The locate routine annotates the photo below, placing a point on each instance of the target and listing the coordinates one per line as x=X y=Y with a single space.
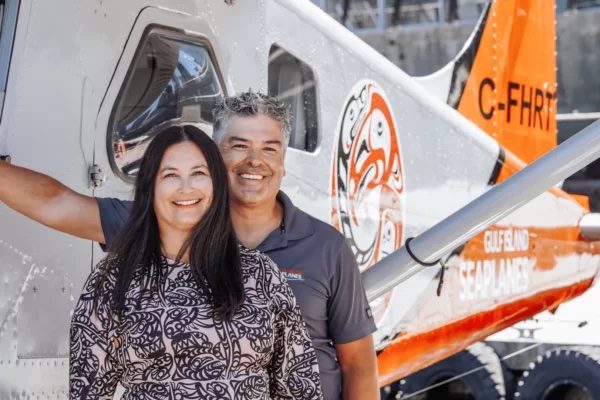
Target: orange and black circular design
x=367 y=182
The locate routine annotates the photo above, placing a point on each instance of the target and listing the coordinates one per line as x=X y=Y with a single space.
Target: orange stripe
x=584 y=201
x=409 y=353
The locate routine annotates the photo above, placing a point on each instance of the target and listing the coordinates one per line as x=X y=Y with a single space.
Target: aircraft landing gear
x=486 y=379
x=562 y=374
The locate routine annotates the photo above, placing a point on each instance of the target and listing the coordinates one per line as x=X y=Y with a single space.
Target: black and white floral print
x=168 y=345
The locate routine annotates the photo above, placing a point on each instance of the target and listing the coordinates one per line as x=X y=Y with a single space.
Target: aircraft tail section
x=504 y=79
x=510 y=91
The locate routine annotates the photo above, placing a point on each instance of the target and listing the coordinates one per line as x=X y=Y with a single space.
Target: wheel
x=565 y=373
x=389 y=392
x=483 y=378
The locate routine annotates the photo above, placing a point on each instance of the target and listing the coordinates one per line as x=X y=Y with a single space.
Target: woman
x=178 y=310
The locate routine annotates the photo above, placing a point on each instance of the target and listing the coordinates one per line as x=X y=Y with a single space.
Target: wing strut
x=452 y=232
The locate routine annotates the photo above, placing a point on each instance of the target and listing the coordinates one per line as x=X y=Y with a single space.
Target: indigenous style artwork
x=367 y=181
x=168 y=343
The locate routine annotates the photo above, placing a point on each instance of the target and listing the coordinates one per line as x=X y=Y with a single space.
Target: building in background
x=421 y=36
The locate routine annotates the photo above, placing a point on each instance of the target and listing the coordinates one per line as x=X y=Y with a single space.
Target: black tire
x=486 y=382
x=566 y=373
x=389 y=392
x=510 y=382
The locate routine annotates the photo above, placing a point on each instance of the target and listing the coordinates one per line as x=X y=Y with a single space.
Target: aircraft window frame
x=165 y=32
x=9 y=15
x=312 y=137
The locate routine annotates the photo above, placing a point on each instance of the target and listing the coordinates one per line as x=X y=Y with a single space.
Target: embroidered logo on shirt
x=292 y=274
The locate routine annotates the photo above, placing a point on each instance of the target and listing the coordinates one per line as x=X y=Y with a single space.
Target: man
x=252 y=131
x=452 y=11
x=396 y=13
x=346 y=12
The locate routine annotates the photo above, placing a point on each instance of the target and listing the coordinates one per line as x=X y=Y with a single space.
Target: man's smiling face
x=253 y=150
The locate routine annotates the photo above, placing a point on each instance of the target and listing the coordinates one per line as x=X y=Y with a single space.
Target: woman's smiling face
x=183 y=188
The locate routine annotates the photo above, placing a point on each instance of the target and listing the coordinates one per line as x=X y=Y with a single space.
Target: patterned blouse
x=167 y=344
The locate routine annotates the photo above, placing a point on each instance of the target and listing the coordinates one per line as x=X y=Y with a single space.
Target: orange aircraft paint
x=511 y=89
x=409 y=353
x=424 y=342
x=510 y=94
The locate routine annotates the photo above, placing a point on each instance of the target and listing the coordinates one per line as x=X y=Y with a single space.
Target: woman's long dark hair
x=213 y=247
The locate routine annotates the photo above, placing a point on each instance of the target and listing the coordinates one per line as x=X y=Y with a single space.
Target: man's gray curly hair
x=248 y=104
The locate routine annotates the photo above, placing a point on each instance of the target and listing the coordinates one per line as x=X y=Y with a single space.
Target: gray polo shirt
x=322 y=272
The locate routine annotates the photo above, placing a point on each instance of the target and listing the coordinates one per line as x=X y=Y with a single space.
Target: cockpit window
x=293 y=82
x=9 y=11
x=172 y=80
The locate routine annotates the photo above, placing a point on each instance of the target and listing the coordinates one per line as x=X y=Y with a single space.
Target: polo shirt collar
x=296 y=225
